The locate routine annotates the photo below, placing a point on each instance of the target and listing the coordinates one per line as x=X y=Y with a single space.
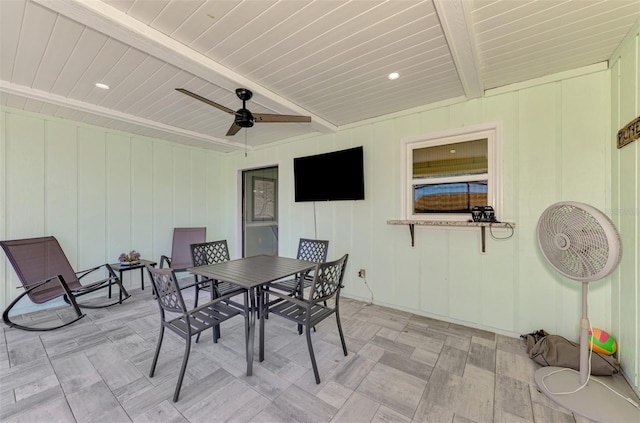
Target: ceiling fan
x=243 y=118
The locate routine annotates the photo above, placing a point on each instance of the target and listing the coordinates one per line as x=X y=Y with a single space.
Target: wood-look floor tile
x=334 y=394
x=516 y=366
x=163 y=412
x=75 y=373
x=296 y=405
x=387 y=415
x=502 y=416
x=482 y=356
x=56 y=410
x=39 y=384
x=34 y=401
x=433 y=414
x=222 y=401
x=400 y=368
x=353 y=371
x=409 y=366
x=25 y=351
x=402 y=396
x=96 y=403
x=546 y=414
x=393 y=346
x=512 y=395
x=452 y=360
x=357 y=409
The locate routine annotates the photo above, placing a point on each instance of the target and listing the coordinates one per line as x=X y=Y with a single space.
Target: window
x=448 y=173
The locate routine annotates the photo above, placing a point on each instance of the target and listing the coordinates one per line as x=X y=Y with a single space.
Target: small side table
x=121 y=268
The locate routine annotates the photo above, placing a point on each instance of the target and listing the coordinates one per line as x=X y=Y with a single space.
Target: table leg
x=261 y=312
x=142 y=278
x=120 y=289
x=252 y=330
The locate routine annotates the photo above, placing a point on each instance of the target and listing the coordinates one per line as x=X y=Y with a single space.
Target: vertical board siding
x=625 y=208
x=98 y=192
x=61 y=185
x=142 y=211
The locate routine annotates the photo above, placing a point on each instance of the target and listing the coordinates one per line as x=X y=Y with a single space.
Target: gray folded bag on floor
x=554 y=350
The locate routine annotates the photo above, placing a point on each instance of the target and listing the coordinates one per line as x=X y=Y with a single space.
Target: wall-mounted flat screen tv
x=338 y=175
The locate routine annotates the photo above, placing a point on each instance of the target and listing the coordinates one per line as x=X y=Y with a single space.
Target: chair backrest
x=313 y=250
x=327 y=279
x=167 y=290
x=181 y=249
x=210 y=252
x=38 y=259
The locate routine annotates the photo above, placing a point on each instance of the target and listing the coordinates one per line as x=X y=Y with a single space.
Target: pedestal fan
x=581 y=243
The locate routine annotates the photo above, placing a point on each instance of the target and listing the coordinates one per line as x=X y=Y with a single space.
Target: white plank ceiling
x=327 y=59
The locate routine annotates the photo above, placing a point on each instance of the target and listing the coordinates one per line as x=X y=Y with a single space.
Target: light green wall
x=556 y=147
x=99 y=192
x=103 y=193
x=625 y=206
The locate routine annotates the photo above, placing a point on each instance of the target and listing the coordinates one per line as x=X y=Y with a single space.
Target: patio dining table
x=252 y=273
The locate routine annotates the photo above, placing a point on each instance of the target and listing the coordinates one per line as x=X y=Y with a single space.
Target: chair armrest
x=91 y=286
x=112 y=275
x=163 y=260
x=198 y=282
x=213 y=302
x=299 y=301
x=82 y=273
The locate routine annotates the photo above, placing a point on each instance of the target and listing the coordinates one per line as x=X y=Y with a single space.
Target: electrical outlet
x=362 y=273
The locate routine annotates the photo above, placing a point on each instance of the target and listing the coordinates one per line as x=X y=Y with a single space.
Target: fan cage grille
x=579 y=241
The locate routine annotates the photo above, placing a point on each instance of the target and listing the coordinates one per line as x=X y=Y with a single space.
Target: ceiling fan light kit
x=582 y=243
x=243 y=118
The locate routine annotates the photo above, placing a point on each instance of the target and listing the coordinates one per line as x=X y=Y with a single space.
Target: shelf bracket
x=412 y=231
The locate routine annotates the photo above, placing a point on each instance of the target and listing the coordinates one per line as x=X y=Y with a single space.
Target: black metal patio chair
x=188 y=322
x=309 y=309
x=211 y=253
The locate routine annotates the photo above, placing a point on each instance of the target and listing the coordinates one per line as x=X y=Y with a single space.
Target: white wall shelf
x=451 y=224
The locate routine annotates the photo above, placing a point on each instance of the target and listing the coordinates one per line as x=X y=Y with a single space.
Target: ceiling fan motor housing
x=244 y=118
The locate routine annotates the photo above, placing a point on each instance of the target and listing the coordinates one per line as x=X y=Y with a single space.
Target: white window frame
x=491 y=131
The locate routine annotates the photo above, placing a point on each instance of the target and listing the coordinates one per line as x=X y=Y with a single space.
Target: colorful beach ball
x=601 y=342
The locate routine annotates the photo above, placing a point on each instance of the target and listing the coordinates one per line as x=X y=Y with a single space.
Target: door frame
x=239 y=250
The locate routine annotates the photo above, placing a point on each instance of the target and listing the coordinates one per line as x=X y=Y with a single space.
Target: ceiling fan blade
x=233 y=129
x=262 y=117
x=205 y=100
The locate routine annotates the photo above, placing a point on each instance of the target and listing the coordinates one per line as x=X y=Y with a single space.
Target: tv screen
x=338 y=175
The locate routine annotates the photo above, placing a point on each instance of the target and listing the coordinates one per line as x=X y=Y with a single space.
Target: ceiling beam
x=122 y=27
x=80 y=106
x=455 y=18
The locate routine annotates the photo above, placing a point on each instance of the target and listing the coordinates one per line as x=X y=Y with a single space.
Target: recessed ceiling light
x=102 y=86
x=394 y=75
x=452 y=151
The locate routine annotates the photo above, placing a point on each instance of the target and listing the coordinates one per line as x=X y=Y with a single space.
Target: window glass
x=449 y=173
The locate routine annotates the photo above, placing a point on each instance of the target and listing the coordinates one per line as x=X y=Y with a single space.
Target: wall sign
x=629 y=133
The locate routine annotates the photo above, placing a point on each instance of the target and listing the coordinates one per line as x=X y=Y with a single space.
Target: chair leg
x=312 y=355
x=155 y=357
x=344 y=346
x=187 y=349
x=216 y=328
x=195 y=304
x=246 y=324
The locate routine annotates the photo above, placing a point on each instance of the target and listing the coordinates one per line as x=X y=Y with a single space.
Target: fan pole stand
x=594 y=401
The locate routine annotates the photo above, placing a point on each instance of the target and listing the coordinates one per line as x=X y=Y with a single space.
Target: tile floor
x=400 y=368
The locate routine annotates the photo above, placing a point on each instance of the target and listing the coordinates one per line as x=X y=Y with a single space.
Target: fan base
x=594 y=401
